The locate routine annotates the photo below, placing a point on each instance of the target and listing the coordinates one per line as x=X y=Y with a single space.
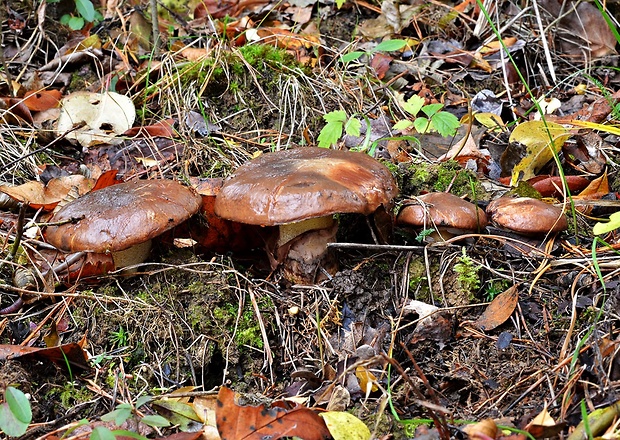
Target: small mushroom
x=299 y=191
x=527 y=216
x=448 y=214
x=122 y=219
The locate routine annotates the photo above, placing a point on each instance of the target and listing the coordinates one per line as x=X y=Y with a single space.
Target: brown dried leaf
x=499 y=310
x=236 y=422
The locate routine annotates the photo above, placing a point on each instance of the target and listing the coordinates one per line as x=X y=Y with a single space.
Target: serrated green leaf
x=18 y=404
x=143 y=400
x=155 y=421
x=330 y=134
x=390 y=45
x=421 y=125
x=402 y=125
x=430 y=109
x=413 y=105
x=445 y=123
x=9 y=424
x=603 y=228
x=351 y=56
x=336 y=116
x=86 y=9
x=102 y=433
x=353 y=127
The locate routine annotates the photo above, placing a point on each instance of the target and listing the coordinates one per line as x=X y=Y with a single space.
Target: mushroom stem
x=303 y=256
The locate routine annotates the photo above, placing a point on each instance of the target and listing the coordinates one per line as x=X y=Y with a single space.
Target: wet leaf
x=235 y=422
x=345 y=426
x=540 y=142
x=499 y=310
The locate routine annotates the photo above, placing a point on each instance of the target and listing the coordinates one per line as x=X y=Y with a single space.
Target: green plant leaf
x=9 y=424
x=421 y=125
x=390 y=45
x=155 y=421
x=143 y=400
x=351 y=56
x=603 y=228
x=413 y=105
x=124 y=433
x=18 y=404
x=339 y=3
x=335 y=116
x=402 y=125
x=353 y=127
x=332 y=131
x=102 y=433
x=119 y=415
x=76 y=23
x=430 y=109
x=86 y=9
x=445 y=123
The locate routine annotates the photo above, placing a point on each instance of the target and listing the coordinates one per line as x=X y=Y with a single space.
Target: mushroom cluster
x=299 y=191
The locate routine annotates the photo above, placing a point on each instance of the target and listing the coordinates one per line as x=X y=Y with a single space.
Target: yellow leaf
x=345 y=426
x=366 y=378
x=541 y=141
x=490 y=120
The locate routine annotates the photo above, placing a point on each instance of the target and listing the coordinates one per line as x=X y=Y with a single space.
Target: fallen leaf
x=541 y=141
x=72 y=354
x=95 y=118
x=42 y=100
x=544 y=426
x=345 y=426
x=38 y=195
x=235 y=422
x=499 y=310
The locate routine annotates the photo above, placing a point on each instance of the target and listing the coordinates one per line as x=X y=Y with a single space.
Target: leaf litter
x=521 y=332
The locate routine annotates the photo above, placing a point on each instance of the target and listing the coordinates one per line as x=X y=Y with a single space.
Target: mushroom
x=122 y=219
x=448 y=214
x=527 y=216
x=299 y=191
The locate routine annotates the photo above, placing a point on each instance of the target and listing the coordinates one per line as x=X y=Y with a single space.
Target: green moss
x=421 y=176
x=468 y=279
x=70 y=395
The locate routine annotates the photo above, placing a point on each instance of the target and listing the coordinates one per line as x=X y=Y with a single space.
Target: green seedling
x=15 y=413
x=85 y=13
x=427 y=118
x=124 y=411
x=384 y=46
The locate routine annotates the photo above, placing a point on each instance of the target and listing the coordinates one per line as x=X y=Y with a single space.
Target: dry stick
x=543 y=40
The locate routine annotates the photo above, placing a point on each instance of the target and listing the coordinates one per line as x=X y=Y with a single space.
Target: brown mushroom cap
x=443 y=210
x=527 y=216
x=289 y=186
x=120 y=216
